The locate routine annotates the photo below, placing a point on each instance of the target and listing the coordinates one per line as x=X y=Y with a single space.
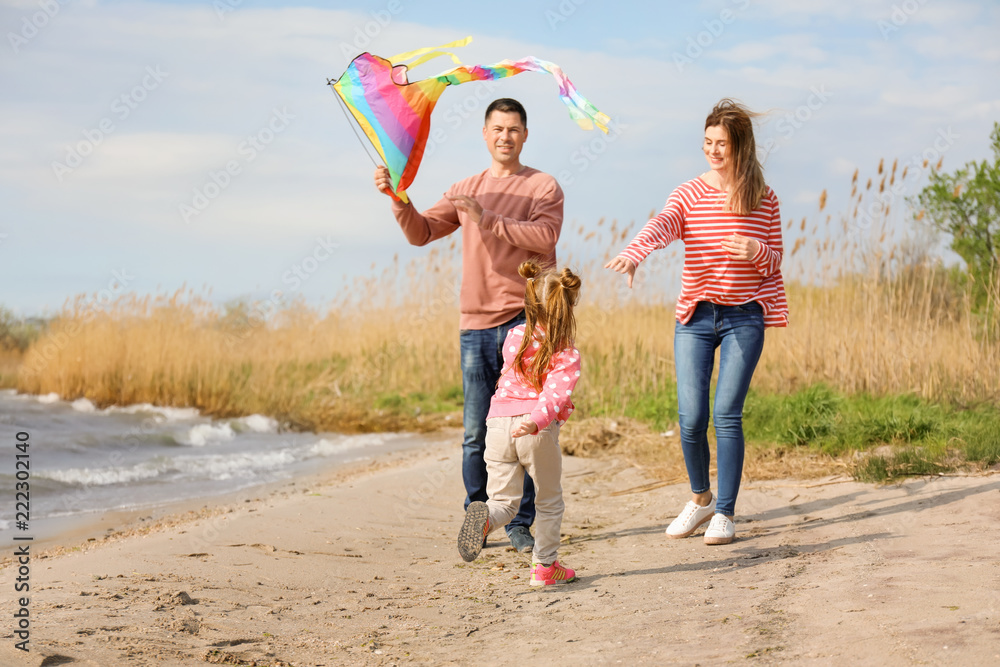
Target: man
x=508 y=214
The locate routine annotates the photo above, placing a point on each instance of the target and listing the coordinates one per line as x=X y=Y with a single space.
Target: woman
x=731 y=289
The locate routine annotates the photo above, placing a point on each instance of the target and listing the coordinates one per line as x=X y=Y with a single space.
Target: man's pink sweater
x=522 y=218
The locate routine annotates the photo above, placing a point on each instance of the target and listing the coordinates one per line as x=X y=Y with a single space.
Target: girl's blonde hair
x=549 y=298
x=748 y=176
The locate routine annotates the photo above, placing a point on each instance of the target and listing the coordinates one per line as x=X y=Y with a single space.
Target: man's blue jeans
x=738 y=332
x=482 y=362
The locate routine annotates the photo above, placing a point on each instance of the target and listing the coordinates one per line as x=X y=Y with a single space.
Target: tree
x=966 y=205
x=15 y=332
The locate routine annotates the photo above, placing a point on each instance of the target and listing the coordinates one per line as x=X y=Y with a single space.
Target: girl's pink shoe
x=553 y=574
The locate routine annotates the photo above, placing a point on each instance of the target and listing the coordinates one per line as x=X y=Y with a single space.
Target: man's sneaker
x=472 y=537
x=692 y=516
x=722 y=530
x=521 y=539
x=552 y=574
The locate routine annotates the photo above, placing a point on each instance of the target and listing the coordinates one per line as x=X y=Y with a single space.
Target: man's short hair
x=507 y=105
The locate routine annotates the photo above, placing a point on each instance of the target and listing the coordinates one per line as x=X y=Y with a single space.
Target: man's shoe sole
x=470 y=537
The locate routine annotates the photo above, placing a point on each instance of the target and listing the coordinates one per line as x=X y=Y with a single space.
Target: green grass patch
x=977 y=432
x=912 y=436
x=807 y=417
x=889 y=437
x=835 y=424
x=905 y=462
x=419 y=403
x=658 y=409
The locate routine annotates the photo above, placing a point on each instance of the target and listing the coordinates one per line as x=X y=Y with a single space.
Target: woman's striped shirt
x=694 y=214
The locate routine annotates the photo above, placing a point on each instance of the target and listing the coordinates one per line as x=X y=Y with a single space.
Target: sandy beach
x=360 y=567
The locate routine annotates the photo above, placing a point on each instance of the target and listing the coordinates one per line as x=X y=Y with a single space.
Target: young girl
x=541 y=368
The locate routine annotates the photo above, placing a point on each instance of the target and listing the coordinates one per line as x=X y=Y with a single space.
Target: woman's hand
x=623 y=265
x=740 y=247
x=527 y=427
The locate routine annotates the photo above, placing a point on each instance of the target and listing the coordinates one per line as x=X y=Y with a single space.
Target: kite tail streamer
x=581 y=110
x=395 y=114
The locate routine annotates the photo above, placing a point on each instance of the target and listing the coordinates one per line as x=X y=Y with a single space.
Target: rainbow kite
x=395 y=114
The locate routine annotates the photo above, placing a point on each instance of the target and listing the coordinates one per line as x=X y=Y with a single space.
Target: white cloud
x=799 y=47
x=794 y=11
x=914 y=95
x=842 y=166
x=963 y=15
x=978 y=43
x=224 y=79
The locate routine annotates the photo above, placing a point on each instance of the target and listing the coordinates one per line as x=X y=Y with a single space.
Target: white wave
x=105 y=476
x=83 y=405
x=202 y=434
x=257 y=424
x=52 y=397
x=325 y=447
x=177 y=414
x=166 y=413
x=243 y=465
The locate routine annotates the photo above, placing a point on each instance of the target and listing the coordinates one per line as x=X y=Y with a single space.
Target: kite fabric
x=395 y=114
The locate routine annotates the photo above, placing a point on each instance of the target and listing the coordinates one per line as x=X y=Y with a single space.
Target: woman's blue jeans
x=482 y=363
x=738 y=332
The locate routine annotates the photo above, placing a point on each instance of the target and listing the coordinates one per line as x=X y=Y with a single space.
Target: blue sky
x=117 y=114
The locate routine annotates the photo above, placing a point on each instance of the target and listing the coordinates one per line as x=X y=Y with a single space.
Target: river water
x=84 y=462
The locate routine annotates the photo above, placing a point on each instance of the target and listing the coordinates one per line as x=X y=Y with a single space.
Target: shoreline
x=361 y=567
x=83 y=492
x=101 y=527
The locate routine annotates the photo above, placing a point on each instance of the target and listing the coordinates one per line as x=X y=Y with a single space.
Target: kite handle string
x=351 y=123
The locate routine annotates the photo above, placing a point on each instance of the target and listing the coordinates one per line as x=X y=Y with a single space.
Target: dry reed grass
x=870 y=312
x=10 y=364
x=310 y=370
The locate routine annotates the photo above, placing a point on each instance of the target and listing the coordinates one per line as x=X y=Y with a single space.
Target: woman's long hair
x=748 y=186
x=549 y=298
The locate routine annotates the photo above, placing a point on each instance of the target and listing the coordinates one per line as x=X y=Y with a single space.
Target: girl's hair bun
x=529 y=270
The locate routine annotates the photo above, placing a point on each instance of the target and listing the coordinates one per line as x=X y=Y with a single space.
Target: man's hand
x=623 y=265
x=527 y=427
x=382 y=181
x=469 y=206
x=740 y=247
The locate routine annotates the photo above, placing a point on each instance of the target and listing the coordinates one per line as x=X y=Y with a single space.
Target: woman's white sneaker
x=722 y=530
x=692 y=516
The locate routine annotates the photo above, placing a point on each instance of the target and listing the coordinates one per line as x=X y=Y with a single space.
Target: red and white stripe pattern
x=694 y=214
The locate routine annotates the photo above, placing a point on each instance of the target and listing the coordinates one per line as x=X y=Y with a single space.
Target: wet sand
x=360 y=567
